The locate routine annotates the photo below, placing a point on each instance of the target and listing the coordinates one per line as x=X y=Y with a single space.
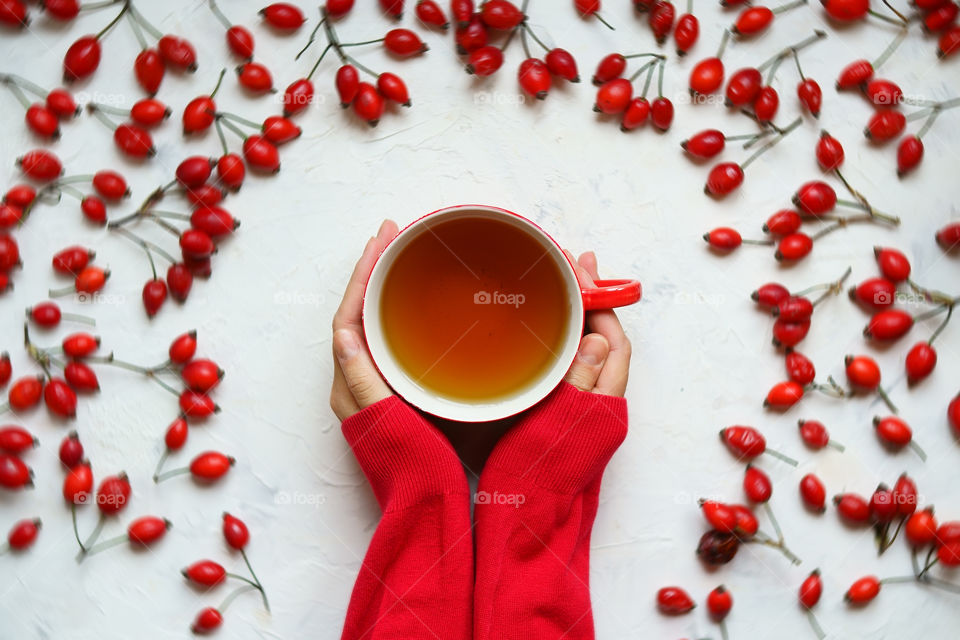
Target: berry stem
x=645 y=67
x=834 y=288
x=796 y=59
x=23 y=83
x=781 y=456
x=233 y=596
x=266 y=604
x=723 y=630
x=149 y=28
x=316 y=64
x=231 y=127
x=929 y=122
x=94 y=535
x=917 y=449
x=160 y=463
x=242 y=579
x=893 y=408
x=76 y=532
x=723 y=42
x=219 y=15
x=902 y=17
x=533 y=35
x=788 y=6
x=17 y=93
x=773 y=521
x=169 y=474
x=815 y=625
x=663 y=63
x=223 y=138
x=137 y=31
x=360 y=44
x=523 y=40
x=786 y=51
x=126 y=6
x=239 y=119
x=883 y=57
x=943 y=325
x=146 y=244
x=604 y=22
x=98 y=112
x=764 y=539
x=880 y=16
x=216 y=87
x=313 y=36
x=756 y=154
x=106 y=544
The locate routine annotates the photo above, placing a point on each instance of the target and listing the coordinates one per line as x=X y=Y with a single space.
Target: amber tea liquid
x=474 y=309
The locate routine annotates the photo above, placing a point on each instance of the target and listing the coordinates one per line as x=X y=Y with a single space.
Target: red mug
x=605 y=294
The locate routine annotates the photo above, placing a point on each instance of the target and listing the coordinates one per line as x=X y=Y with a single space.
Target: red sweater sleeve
x=536 y=502
x=416 y=580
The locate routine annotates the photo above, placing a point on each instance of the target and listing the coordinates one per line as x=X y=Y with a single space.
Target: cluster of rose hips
x=674 y=601
x=660 y=18
x=368 y=100
x=42 y=118
x=208 y=574
x=615 y=96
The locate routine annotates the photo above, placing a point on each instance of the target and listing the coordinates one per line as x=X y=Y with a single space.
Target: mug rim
x=464 y=411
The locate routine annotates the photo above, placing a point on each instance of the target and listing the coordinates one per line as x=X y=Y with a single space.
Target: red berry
x=14 y=13
x=80 y=345
x=81 y=377
x=862 y=372
x=747 y=523
x=368 y=104
x=210 y=465
x=205 y=572
x=814 y=434
x=297 y=96
x=888 y=325
x=613 y=96
x=429 y=12
x=745 y=442
x=949 y=43
x=43 y=121
x=91 y=279
x=752 y=21
x=811 y=589
x=40 y=165
x=940 y=18
x=905 y=495
x=724 y=178
x=462 y=11
x=348 y=84
x=810 y=95
x=948 y=533
x=392 y=88
x=789 y=334
x=661 y=113
x=94 y=209
x=686 y=33
x=783 y=222
x=885 y=124
x=949 y=554
x=10 y=215
x=283 y=15
x=207 y=620
x=255 y=77
x=794 y=247
x=194 y=171
x=71 y=451
x=6 y=370
x=149 y=70
x=674 y=601
x=863 y=591
x=794 y=309
x=723 y=238
x=24 y=533
x=719 y=603
x=852 y=508
x=846 y=10
x=81 y=59
x=9 y=253
x=500 y=14
x=921 y=528
x=261 y=154
x=25 y=393
x=706 y=76
x=799 y=367
x=815 y=198
x=875 y=293
x=14 y=474
x=766 y=104
x=199 y=114
x=855 y=74
x=471 y=36
x=783 y=395
x=176 y=434
x=883 y=508
x=921 y=360
x=154 y=295
x=705 y=144
x=893 y=431
x=235 y=531
x=660 y=20
x=206 y=195
x=197 y=405
x=757 y=485
x=403 y=42
x=177 y=52
x=113 y=494
x=829 y=152
x=770 y=294
x=183 y=347
x=110 y=185
x=485 y=61
x=15 y=440
x=201 y=375
x=909 y=154
x=393 y=8
x=78 y=484
x=743 y=87
x=214 y=221
x=240 y=41
x=134 y=141
x=147 y=530
x=561 y=63
x=953 y=415
x=20 y=195
x=231 y=170
x=611 y=66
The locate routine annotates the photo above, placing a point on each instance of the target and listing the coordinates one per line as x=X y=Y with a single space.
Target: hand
x=603 y=359
x=356 y=382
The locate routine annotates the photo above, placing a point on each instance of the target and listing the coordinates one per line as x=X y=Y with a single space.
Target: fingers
x=341 y=400
x=587 y=366
x=351 y=307
x=613 y=378
x=361 y=376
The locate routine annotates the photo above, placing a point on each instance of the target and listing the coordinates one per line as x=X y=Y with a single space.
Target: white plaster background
x=702 y=354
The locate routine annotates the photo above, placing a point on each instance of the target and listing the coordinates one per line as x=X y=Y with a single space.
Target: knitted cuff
x=565 y=441
x=404 y=457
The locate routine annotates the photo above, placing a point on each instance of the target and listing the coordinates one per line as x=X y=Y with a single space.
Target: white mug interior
x=470 y=411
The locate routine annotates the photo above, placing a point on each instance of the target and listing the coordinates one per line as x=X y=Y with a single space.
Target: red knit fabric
x=536 y=503
x=416 y=580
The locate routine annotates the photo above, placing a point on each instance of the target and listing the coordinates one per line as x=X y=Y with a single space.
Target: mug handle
x=608 y=294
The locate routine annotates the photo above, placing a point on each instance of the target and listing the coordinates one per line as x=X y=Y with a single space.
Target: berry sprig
x=756 y=20
x=239 y=39
x=591 y=9
x=42 y=118
x=726 y=177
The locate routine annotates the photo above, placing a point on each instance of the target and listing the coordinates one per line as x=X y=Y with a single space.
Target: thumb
x=361 y=375
x=586 y=367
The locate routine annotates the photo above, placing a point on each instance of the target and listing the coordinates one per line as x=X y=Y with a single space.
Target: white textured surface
x=702 y=357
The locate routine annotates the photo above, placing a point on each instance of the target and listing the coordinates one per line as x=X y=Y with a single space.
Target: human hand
x=602 y=364
x=356 y=382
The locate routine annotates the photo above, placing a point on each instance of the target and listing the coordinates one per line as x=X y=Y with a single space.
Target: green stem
x=219 y=14
x=145 y=24
x=239 y=119
x=169 y=474
x=360 y=44
x=232 y=128
x=18 y=94
x=160 y=463
x=216 y=87
x=773 y=521
x=102 y=32
x=106 y=544
x=890 y=49
x=223 y=138
x=313 y=36
x=137 y=32
x=533 y=35
x=319 y=60
x=266 y=604
x=95 y=110
x=783 y=53
x=723 y=42
x=765 y=147
x=893 y=408
x=943 y=325
x=788 y=6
